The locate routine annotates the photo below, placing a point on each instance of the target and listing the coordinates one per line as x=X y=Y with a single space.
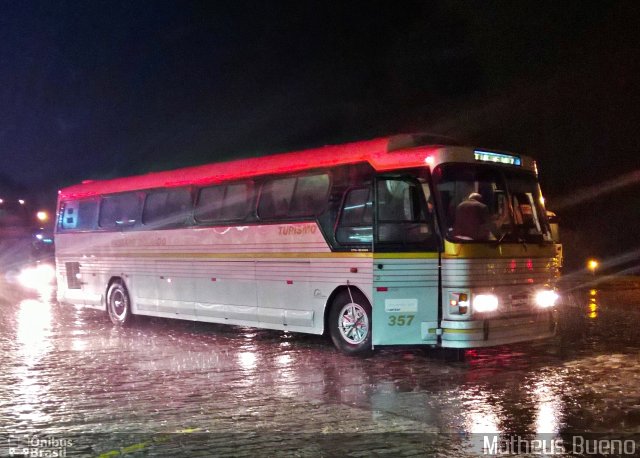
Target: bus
x=400 y=240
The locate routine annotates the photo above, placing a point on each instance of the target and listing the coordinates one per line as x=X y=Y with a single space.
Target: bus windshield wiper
x=517 y=231
x=523 y=241
x=501 y=238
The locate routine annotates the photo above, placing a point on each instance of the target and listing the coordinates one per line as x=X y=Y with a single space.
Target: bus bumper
x=497 y=331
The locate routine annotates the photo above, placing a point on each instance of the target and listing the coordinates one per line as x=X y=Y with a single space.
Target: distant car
x=25 y=235
x=42 y=238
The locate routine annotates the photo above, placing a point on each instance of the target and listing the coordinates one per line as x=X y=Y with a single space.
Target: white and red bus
x=375 y=242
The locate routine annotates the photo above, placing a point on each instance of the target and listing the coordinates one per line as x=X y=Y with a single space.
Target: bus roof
x=384 y=153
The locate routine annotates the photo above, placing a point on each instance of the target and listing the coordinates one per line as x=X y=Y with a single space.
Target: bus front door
x=405 y=265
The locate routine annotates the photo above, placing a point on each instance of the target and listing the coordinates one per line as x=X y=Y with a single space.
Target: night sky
x=99 y=89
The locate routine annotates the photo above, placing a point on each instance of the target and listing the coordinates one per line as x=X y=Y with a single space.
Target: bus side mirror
x=553 y=220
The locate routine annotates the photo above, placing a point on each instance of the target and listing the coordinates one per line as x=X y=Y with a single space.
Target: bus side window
x=402 y=217
x=219 y=203
x=78 y=214
x=310 y=195
x=167 y=208
x=356 y=218
x=275 y=198
x=237 y=201
x=209 y=207
x=292 y=197
x=121 y=210
x=69 y=218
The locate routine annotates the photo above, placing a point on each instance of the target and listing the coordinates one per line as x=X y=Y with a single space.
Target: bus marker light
x=353 y=270
x=213 y=279
x=289 y=282
x=458 y=303
x=382 y=289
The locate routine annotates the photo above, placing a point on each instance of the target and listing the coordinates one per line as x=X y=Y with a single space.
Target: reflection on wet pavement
x=66 y=370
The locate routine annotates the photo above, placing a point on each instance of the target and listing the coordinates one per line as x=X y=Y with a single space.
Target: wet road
x=72 y=383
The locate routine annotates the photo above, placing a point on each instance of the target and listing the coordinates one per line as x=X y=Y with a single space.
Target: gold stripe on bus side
x=426 y=255
x=495 y=250
x=461 y=331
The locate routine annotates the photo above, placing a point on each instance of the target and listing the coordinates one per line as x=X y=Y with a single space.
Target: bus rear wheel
x=118 y=304
x=350 y=323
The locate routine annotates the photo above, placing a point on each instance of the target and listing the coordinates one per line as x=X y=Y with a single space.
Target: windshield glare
x=480 y=203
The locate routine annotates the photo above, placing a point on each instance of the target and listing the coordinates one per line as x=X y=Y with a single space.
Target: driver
x=473 y=219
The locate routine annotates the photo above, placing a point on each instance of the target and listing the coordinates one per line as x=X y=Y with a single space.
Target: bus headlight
x=485 y=303
x=546 y=298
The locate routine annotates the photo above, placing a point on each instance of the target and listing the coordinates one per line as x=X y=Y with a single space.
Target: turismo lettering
x=297 y=230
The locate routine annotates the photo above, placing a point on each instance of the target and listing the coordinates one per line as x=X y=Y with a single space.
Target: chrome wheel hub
x=118 y=304
x=353 y=323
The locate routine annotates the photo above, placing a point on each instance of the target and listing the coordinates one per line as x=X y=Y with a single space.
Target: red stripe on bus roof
x=372 y=151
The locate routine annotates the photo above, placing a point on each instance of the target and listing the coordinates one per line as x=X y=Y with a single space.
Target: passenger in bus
x=473 y=219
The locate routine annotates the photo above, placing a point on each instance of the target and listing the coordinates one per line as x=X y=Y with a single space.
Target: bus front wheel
x=350 y=323
x=118 y=304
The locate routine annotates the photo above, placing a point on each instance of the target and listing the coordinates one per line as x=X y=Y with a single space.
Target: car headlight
x=37 y=277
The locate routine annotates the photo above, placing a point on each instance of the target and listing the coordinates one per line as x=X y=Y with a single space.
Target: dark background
x=100 y=89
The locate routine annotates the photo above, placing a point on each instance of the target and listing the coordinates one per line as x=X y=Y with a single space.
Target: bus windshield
x=481 y=203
